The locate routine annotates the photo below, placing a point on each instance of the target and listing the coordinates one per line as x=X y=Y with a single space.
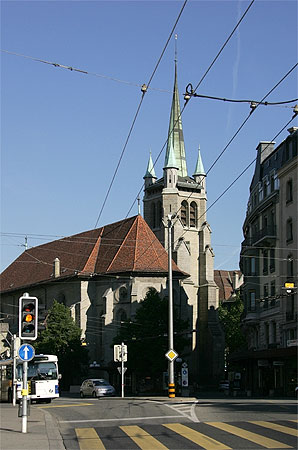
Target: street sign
x=26 y=352
x=120 y=369
x=184 y=377
x=171 y=355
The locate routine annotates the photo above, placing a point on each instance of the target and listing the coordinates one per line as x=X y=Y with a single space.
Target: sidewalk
x=42 y=431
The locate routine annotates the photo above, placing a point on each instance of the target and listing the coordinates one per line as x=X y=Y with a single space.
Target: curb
x=53 y=433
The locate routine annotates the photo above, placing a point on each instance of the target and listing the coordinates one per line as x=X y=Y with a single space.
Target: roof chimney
x=56 y=267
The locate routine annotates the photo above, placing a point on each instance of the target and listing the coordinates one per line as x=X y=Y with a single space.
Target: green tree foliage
x=62 y=337
x=147 y=336
x=230 y=317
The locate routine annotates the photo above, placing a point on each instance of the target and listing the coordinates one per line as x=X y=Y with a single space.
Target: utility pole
x=171 y=354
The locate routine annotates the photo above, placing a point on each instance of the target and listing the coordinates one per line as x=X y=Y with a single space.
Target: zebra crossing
x=202 y=435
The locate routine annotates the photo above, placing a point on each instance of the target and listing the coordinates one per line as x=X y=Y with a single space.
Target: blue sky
x=63 y=131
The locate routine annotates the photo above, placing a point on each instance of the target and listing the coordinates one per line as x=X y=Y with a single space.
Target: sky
x=63 y=131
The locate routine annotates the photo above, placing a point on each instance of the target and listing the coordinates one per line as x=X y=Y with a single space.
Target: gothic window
x=193 y=215
x=184 y=213
x=121 y=316
x=123 y=295
x=159 y=214
x=289 y=191
x=289 y=229
x=153 y=215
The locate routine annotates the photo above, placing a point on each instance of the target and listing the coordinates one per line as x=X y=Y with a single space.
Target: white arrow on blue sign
x=26 y=352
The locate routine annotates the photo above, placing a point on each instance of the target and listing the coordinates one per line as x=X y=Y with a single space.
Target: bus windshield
x=39 y=371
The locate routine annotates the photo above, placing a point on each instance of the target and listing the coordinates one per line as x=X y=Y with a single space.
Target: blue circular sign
x=26 y=352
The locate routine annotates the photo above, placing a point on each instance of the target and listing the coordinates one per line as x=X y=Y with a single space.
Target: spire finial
x=176 y=37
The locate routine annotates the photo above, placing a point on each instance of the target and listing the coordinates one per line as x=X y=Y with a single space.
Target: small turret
x=150 y=176
x=200 y=174
x=170 y=169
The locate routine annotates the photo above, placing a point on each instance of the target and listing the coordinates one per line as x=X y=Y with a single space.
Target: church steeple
x=150 y=176
x=175 y=134
x=200 y=174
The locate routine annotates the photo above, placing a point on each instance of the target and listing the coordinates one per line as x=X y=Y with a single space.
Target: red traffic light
x=28 y=315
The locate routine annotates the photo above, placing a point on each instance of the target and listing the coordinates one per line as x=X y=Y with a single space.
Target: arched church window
x=184 y=213
x=193 y=215
x=123 y=294
x=159 y=214
x=153 y=215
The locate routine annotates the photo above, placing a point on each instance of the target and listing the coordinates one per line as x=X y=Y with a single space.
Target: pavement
x=42 y=430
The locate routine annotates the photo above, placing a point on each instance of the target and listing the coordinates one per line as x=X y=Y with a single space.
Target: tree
x=62 y=337
x=230 y=317
x=147 y=336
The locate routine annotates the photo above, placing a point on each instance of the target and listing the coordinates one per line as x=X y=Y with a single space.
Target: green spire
x=199 y=167
x=175 y=134
x=150 y=173
x=171 y=161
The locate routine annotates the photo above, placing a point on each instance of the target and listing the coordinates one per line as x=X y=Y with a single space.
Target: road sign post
x=26 y=353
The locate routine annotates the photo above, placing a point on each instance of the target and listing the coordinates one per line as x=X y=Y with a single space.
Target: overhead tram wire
x=244 y=122
x=144 y=90
x=200 y=82
x=230 y=185
x=138 y=85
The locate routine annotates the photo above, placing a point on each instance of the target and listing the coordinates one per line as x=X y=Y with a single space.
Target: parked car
x=96 y=387
x=224 y=385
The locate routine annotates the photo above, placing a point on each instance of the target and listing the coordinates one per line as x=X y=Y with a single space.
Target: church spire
x=175 y=134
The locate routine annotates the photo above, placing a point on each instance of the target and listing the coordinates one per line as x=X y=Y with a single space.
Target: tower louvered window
x=184 y=213
x=193 y=215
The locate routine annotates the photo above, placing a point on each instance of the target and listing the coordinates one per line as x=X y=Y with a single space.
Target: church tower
x=179 y=194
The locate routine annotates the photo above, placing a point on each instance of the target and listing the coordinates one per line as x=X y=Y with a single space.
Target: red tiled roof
x=125 y=246
x=224 y=280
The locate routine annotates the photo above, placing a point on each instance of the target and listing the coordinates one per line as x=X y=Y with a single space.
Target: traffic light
x=28 y=318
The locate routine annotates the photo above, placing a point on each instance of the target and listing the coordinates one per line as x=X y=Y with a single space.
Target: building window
x=253 y=265
x=159 y=214
x=252 y=300
x=193 y=215
x=289 y=230
x=266 y=294
x=289 y=191
x=290 y=266
x=123 y=294
x=265 y=261
x=267 y=333
x=153 y=215
x=273 y=337
x=272 y=260
x=272 y=293
x=184 y=213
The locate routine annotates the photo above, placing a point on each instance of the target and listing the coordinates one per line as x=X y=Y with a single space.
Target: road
x=211 y=424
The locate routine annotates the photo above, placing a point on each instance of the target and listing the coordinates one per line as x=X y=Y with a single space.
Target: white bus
x=43 y=378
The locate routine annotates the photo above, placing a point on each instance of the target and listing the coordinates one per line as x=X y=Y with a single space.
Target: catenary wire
x=137 y=112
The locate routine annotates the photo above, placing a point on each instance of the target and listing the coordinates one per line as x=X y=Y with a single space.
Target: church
x=103 y=274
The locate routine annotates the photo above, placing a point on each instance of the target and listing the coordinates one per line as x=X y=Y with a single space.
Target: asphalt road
x=212 y=424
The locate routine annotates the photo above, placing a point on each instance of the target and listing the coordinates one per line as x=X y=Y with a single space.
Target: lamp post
x=171 y=354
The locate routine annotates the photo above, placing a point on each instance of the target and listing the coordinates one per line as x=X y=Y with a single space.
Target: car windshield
x=101 y=383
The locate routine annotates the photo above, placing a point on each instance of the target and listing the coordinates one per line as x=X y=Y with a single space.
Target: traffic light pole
x=171 y=325
x=25 y=397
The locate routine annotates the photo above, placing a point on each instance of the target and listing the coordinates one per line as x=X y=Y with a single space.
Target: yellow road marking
x=143 y=439
x=198 y=438
x=255 y=438
x=88 y=439
x=65 y=406
x=275 y=426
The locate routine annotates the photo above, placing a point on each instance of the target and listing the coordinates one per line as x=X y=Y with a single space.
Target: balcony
x=265 y=236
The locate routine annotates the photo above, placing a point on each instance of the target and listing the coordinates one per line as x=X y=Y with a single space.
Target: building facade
x=183 y=199
x=268 y=260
